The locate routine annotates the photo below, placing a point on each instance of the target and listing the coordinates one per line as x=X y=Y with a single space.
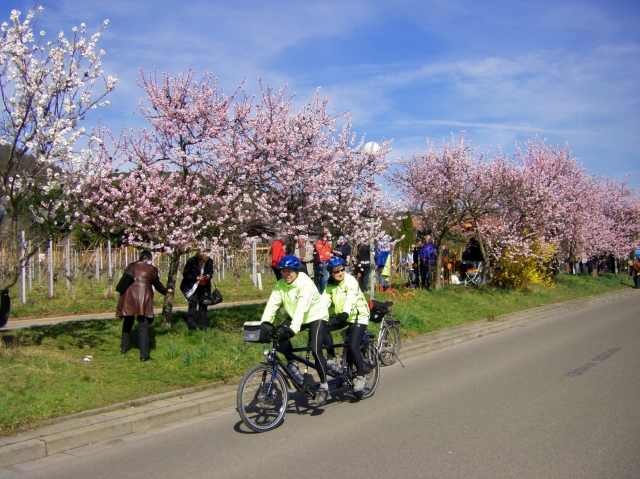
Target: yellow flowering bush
x=518 y=271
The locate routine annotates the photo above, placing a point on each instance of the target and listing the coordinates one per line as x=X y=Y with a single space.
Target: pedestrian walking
x=137 y=300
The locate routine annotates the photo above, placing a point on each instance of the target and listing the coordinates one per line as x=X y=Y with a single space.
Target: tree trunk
x=167 y=307
x=438 y=268
x=487 y=273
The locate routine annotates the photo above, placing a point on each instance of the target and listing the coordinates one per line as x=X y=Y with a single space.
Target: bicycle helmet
x=335 y=261
x=289 y=261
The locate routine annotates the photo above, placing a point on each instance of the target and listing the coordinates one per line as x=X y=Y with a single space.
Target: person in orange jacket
x=278 y=251
x=322 y=253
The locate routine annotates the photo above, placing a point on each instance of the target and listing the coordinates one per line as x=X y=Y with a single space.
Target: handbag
x=125 y=281
x=213 y=298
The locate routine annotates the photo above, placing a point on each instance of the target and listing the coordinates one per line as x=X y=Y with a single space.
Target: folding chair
x=473 y=275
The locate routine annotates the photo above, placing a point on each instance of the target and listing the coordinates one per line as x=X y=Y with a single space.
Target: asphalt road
x=555 y=399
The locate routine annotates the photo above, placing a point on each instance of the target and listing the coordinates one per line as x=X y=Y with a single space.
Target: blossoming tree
x=46 y=89
x=434 y=185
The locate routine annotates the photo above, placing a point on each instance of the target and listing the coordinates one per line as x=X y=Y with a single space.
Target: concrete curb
x=109 y=423
x=72 y=433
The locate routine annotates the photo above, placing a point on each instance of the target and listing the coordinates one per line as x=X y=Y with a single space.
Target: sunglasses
x=338 y=271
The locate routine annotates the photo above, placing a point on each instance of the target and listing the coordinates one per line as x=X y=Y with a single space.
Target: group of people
x=308 y=308
x=420 y=262
x=137 y=299
x=314 y=256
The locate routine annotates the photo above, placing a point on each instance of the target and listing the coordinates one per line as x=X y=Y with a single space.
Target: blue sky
x=503 y=71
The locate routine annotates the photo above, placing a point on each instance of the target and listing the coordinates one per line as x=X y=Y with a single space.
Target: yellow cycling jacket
x=300 y=300
x=347 y=297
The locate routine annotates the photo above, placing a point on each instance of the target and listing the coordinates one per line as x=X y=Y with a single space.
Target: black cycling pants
x=316 y=336
x=356 y=331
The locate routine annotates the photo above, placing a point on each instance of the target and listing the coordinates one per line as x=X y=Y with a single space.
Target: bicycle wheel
x=259 y=410
x=389 y=346
x=372 y=367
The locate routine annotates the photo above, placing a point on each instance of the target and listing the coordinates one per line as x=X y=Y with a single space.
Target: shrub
x=519 y=271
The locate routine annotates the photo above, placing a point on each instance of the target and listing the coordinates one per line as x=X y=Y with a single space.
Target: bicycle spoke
x=262 y=409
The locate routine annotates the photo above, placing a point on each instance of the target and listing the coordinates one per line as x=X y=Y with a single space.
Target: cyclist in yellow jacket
x=347 y=302
x=298 y=295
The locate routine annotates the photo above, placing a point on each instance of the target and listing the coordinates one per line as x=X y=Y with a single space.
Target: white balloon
x=371 y=148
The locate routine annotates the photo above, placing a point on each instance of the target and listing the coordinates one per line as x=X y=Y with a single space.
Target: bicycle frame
x=277 y=362
x=385 y=324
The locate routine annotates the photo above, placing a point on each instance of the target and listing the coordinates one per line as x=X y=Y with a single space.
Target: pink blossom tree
x=434 y=185
x=181 y=191
x=212 y=165
x=310 y=172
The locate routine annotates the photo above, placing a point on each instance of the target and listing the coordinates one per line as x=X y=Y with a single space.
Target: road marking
x=593 y=362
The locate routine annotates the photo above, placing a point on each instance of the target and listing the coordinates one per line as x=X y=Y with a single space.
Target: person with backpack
x=278 y=251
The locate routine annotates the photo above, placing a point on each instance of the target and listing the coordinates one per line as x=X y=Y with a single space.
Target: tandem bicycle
x=263 y=392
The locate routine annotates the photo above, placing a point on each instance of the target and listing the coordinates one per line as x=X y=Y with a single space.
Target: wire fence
x=66 y=266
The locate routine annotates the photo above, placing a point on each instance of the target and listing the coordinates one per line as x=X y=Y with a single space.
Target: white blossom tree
x=46 y=90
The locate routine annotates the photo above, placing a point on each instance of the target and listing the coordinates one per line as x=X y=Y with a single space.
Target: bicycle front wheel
x=260 y=409
x=372 y=367
x=389 y=345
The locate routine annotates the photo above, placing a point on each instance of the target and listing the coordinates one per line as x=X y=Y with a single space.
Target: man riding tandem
x=299 y=296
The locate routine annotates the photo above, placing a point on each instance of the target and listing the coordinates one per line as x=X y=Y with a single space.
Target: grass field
x=44 y=375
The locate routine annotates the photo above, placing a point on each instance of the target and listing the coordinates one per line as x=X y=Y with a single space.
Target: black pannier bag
x=258 y=332
x=378 y=310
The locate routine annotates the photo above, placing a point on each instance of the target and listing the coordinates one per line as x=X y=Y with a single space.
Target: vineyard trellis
x=64 y=265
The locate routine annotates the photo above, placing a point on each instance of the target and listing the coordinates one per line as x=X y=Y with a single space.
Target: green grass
x=454 y=305
x=44 y=375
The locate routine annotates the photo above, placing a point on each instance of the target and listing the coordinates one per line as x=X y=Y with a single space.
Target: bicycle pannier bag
x=258 y=332
x=378 y=310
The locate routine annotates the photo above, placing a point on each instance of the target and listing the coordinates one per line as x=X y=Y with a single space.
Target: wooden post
x=67 y=264
x=51 y=268
x=29 y=270
x=23 y=282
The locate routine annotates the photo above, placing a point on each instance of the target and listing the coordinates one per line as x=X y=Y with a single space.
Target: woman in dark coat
x=137 y=300
x=196 y=285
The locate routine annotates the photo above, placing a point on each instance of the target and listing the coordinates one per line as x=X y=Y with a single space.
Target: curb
x=86 y=428
x=69 y=434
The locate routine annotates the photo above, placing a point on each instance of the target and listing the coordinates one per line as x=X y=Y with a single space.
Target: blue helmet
x=290 y=261
x=335 y=261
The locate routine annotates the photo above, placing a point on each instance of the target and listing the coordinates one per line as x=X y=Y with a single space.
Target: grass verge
x=44 y=375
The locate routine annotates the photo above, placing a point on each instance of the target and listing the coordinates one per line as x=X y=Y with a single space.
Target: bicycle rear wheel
x=389 y=346
x=260 y=410
x=372 y=367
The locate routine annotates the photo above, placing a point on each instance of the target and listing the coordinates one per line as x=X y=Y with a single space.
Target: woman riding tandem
x=347 y=302
x=299 y=296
